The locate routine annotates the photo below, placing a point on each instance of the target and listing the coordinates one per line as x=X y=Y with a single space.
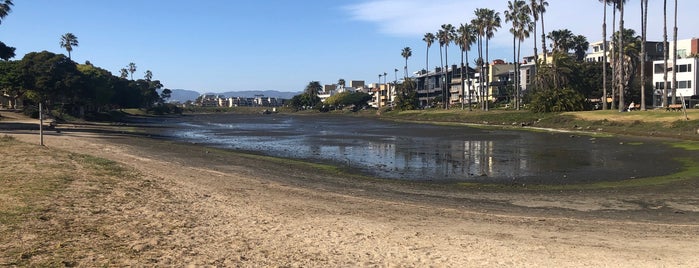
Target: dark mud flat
x=424 y=152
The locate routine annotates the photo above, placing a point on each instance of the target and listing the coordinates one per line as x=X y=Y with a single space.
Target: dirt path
x=200 y=207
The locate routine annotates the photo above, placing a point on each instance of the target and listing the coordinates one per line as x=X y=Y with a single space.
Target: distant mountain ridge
x=183 y=95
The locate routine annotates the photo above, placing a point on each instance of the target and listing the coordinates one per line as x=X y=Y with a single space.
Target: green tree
x=562 y=40
x=556 y=92
x=148 y=75
x=406 y=53
x=123 y=73
x=68 y=41
x=313 y=88
x=356 y=100
x=48 y=77
x=604 y=55
x=6 y=52
x=488 y=22
x=407 y=99
x=11 y=82
x=132 y=69
x=580 y=45
x=5 y=8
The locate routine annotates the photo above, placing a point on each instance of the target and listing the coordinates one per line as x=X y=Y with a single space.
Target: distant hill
x=183 y=95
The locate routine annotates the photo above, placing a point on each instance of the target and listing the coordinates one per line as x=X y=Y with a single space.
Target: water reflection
x=423 y=152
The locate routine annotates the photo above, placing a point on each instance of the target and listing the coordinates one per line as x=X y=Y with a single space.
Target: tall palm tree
x=406 y=53
x=542 y=9
x=622 y=84
x=5 y=9
x=479 y=27
x=562 y=40
x=429 y=40
x=644 y=28
x=604 y=55
x=465 y=37
x=68 y=41
x=132 y=69
x=518 y=13
x=674 y=59
x=534 y=8
x=447 y=35
x=491 y=22
x=665 y=55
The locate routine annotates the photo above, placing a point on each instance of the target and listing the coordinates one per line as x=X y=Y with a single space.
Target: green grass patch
x=687 y=145
x=690 y=172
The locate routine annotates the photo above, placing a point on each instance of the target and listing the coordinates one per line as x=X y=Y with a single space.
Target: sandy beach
x=193 y=206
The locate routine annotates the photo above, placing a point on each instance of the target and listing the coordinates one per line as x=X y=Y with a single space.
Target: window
x=659 y=68
x=659 y=85
x=684 y=68
x=684 y=84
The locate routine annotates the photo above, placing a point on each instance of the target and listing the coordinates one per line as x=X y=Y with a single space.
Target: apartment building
x=685 y=69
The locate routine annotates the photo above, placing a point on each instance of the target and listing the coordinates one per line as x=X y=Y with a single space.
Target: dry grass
x=651 y=116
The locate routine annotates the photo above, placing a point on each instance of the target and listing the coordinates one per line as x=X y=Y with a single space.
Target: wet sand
x=228 y=209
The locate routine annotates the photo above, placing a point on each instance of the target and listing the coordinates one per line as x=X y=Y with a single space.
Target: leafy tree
x=357 y=100
x=304 y=101
x=165 y=94
x=6 y=52
x=11 y=81
x=5 y=8
x=48 y=77
x=407 y=99
x=557 y=90
x=132 y=69
x=148 y=76
x=68 y=41
x=123 y=73
x=96 y=88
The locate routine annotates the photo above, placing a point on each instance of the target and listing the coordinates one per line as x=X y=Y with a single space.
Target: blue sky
x=221 y=45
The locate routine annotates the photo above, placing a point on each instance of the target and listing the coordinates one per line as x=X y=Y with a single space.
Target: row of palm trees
x=524 y=17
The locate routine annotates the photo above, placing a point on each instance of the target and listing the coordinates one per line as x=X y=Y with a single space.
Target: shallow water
x=432 y=153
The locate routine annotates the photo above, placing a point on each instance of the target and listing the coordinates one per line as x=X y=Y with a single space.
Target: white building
x=686 y=72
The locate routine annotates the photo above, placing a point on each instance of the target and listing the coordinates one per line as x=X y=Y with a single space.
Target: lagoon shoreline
x=230 y=209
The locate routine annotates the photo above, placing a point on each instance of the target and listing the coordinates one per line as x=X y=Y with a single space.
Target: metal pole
x=41 y=125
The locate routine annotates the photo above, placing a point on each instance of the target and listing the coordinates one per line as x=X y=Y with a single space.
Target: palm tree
x=465 y=37
x=406 y=53
x=5 y=9
x=341 y=83
x=604 y=56
x=518 y=13
x=429 y=40
x=674 y=59
x=665 y=55
x=622 y=85
x=445 y=36
x=534 y=8
x=487 y=22
x=562 y=40
x=132 y=69
x=480 y=28
x=580 y=45
x=644 y=28
x=542 y=9
x=68 y=41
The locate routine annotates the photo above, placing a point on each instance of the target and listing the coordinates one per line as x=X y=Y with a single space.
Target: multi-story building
x=685 y=70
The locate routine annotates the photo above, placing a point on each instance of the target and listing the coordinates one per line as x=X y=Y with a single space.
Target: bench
x=674 y=107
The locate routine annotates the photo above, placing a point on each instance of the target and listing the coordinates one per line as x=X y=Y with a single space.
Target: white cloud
x=414 y=18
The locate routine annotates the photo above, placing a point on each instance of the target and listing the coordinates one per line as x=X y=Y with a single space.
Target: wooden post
x=41 y=125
